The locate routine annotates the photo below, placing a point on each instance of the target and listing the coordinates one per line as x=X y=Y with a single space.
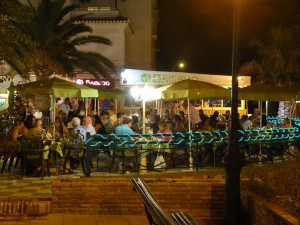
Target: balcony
x=96 y=12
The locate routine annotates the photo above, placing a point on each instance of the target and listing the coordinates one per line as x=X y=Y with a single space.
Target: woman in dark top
x=135 y=125
x=29 y=120
x=99 y=126
x=154 y=126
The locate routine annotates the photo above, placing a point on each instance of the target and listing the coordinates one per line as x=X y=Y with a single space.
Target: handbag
x=160 y=162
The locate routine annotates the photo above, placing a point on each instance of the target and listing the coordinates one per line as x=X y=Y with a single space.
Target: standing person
x=65 y=106
x=173 y=111
x=88 y=126
x=194 y=115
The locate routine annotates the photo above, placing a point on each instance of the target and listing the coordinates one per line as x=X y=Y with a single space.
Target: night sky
x=199 y=32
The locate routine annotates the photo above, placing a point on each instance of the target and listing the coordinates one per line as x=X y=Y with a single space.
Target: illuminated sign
x=104 y=83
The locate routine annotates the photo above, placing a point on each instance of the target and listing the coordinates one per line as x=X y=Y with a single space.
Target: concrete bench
x=156 y=214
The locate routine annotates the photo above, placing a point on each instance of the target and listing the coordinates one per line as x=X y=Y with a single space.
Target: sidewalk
x=77 y=219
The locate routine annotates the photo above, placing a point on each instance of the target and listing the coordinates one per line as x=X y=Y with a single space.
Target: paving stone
x=71 y=219
x=112 y=220
x=52 y=219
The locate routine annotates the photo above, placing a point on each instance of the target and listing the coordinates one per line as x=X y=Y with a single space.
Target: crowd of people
x=70 y=121
x=172 y=120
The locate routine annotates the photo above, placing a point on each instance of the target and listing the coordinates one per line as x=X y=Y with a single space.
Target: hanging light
x=135 y=92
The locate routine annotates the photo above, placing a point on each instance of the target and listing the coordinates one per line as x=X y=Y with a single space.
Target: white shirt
x=89 y=128
x=65 y=108
x=194 y=115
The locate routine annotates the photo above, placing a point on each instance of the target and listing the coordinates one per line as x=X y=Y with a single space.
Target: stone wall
x=283 y=177
x=258 y=211
x=115 y=195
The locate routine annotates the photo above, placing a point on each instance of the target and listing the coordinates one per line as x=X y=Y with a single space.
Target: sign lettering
x=104 y=83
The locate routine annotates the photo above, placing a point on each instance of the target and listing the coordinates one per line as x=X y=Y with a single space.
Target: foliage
x=279 y=58
x=7 y=122
x=11 y=39
x=259 y=184
x=57 y=40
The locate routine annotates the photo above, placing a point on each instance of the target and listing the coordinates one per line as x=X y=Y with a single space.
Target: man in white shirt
x=65 y=106
x=88 y=126
x=194 y=115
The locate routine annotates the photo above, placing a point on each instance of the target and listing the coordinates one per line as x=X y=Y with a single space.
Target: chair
x=35 y=152
x=128 y=158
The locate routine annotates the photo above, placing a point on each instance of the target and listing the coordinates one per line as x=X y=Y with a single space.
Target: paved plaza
x=76 y=219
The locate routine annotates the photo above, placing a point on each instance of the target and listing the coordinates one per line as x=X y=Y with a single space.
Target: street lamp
x=144 y=94
x=232 y=160
x=180 y=65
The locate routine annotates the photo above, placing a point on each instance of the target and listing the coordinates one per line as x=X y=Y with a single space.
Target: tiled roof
x=118 y=19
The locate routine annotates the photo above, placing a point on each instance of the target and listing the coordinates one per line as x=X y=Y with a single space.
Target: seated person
x=39 y=134
x=135 y=125
x=88 y=126
x=246 y=123
x=77 y=139
x=178 y=127
x=18 y=131
x=163 y=129
x=60 y=127
x=81 y=137
x=154 y=126
x=125 y=128
x=286 y=123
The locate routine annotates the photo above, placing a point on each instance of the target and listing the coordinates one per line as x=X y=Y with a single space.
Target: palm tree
x=10 y=38
x=57 y=39
x=279 y=61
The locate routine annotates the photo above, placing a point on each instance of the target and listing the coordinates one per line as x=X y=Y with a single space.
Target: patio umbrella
x=194 y=89
x=58 y=87
x=111 y=93
x=268 y=92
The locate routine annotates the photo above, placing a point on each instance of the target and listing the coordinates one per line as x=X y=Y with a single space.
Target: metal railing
x=193 y=147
